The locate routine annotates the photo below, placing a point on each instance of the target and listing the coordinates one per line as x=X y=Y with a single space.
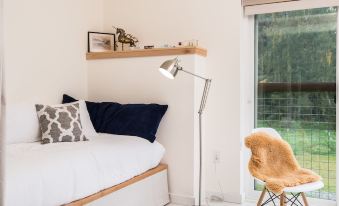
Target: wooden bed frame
x=106 y=192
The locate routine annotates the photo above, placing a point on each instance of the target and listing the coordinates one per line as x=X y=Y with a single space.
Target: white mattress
x=55 y=174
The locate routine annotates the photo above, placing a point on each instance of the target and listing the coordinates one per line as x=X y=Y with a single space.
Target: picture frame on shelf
x=101 y=42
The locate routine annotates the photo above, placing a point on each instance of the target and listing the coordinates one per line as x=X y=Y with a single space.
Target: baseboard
x=227 y=197
x=182 y=199
x=189 y=200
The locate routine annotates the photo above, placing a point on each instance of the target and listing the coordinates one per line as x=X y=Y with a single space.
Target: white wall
x=2 y=141
x=45 y=46
x=137 y=80
x=216 y=24
x=45 y=42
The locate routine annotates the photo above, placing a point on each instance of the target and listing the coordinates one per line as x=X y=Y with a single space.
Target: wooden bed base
x=108 y=191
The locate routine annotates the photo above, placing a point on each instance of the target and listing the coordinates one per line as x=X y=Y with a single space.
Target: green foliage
x=300 y=47
x=297 y=46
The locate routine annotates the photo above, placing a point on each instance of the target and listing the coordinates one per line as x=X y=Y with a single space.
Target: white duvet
x=56 y=174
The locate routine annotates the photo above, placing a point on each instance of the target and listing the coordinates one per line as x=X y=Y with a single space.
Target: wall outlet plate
x=216 y=157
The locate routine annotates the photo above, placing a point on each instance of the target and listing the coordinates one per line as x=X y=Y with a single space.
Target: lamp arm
x=204 y=95
x=206 y=88
x=181 y=69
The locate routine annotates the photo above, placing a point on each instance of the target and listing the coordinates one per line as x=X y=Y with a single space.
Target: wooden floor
x=220 y=204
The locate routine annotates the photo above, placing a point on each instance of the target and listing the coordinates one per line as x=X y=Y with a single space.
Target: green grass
x=323 y=165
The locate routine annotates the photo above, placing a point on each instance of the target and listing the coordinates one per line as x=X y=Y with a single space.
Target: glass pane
x=296 y=86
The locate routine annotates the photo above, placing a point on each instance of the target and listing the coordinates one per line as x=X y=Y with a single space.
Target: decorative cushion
x=60 y=123
x=140 y=120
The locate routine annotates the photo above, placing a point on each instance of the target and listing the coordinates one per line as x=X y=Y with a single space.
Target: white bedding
x=55 y=174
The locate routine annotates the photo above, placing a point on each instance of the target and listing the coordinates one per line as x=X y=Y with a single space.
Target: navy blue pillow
x=140 y=120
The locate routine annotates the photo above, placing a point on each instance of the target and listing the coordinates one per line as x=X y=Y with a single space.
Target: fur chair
x=273 y=162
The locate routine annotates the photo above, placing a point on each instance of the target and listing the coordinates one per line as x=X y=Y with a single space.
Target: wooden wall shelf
x=147 y=53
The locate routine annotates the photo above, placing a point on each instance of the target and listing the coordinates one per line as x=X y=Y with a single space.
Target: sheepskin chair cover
x=273 y=162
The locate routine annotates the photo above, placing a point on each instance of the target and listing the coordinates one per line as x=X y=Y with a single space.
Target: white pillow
x=86 y=122
x=22 y=124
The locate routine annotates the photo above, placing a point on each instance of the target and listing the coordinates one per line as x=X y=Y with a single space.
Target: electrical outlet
x=216 y=157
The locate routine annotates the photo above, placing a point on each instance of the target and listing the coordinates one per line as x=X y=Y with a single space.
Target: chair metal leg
x=304 y=199
x=261 y=197
x=282 y=199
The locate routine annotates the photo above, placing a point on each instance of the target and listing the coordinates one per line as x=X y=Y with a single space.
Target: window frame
x=260 y=2
x=248 y=108
x=288 y=6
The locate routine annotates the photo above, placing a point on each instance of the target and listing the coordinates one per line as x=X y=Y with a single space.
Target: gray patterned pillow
x=60 y=123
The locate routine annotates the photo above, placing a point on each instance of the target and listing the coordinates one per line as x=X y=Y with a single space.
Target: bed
x=80 y=173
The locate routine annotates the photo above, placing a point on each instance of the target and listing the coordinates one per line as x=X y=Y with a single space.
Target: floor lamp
x=170 y=68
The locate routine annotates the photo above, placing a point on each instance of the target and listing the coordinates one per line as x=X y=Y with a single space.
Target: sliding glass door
x=296 y=86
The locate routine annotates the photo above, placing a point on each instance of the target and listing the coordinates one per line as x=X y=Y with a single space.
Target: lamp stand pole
x=201 y=109
x=200 y=157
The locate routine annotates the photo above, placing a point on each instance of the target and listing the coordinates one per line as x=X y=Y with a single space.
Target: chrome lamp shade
x=169 y=68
